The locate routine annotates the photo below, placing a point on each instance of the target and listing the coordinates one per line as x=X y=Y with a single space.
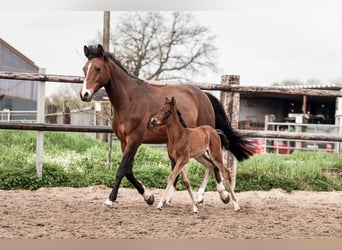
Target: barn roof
x=325 y=86
x=18 y=53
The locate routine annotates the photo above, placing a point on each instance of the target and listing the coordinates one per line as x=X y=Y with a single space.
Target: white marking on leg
x=231 y=188
x=200 y=195
x=165 y=195
x=236 y=205
x=224 y=195
x=169 y=198
x=201 y=190
x=220 y=187
x=146 y=195
x=195 y=209
x=108 y=203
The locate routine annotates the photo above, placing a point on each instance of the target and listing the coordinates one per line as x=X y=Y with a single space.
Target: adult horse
x=135 y=102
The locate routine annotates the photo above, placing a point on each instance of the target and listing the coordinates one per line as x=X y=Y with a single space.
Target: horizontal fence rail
x=108 y=129
x=55 y=127
x=40 y=77
x=290 y=135
x=254 y=90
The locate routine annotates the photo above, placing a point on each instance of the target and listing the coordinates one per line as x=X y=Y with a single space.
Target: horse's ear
x=167 y=101
x=173 y=101
x=86 y=50
x=100 y=50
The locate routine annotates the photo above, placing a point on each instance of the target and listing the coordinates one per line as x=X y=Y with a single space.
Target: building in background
x=17 y=95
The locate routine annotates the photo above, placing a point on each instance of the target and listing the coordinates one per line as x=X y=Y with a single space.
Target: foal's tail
x=224 y=141
x=236 y=143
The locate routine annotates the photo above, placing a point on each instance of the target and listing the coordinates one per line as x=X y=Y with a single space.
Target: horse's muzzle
x=85 y=96
x=153 y=123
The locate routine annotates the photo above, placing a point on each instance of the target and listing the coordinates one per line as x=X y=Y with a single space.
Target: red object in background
x=258 y=146
x=282 y=148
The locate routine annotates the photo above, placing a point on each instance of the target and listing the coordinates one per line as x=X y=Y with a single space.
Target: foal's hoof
x=225 y=197
x=236 y=207
x=149 y=199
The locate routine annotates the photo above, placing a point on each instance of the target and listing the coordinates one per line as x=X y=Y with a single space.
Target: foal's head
x=165 y=112
x=96 y=72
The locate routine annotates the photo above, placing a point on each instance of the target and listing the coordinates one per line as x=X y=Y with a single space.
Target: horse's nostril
x=86 y=95
x=153 y=123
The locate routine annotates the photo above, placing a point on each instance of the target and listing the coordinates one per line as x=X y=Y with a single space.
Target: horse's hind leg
x=186 y=183
x=227 y=181
x=230 y=187
x=209 y=165
x=224 y=195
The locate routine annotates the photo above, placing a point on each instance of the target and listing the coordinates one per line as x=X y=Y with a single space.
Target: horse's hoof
x=159 y=207
x=168 y=202
x=226 y=201
x=195 y=210
x=225 y=197
x=236 y=208
x=107 y=204
x=200 y=201
x=149 y=199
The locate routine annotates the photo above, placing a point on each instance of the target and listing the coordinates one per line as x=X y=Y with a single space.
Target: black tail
x=237 y=144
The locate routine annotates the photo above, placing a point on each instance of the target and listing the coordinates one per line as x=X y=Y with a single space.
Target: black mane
x=181 y=119
x=93 y=53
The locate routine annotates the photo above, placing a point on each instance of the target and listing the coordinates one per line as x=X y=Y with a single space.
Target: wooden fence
x=229 y=88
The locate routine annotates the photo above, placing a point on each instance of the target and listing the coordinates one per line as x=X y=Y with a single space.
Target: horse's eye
x=97 y=69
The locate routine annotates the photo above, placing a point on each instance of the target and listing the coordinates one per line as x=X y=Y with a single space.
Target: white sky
x=261 y=43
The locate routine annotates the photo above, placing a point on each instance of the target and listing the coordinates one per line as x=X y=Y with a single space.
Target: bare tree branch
x=163 y=45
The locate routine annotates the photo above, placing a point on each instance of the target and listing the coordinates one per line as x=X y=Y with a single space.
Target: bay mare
x=202 y=143
x=135 y=102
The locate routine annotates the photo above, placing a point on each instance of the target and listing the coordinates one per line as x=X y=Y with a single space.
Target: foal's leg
x=186 y=183
x=172 y=177
x=227 y=180
x=201 y=189
x=231 y=188
x=219 y=185
x=224 y=195
x=173 y=188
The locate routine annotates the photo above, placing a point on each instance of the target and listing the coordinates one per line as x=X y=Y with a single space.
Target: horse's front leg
x=126 y=169
x=173 y=188
x=170 y=181
x=186 y=183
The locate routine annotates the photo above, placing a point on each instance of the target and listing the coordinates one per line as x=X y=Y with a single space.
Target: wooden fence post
x=231 y=104
x=40 y=119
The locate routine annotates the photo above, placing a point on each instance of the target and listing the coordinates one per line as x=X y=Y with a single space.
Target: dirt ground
x=77 y=213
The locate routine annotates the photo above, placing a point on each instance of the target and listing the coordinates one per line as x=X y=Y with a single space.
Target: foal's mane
x=93 y=53
x=181 y=119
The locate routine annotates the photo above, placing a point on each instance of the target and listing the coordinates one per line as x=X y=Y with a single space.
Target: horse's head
x=96 y=72
x=164 y=113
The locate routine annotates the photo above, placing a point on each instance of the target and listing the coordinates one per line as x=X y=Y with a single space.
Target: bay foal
x=202 y=143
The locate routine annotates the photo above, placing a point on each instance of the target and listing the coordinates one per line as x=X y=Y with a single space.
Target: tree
x=163 y=45
x=67 y=92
